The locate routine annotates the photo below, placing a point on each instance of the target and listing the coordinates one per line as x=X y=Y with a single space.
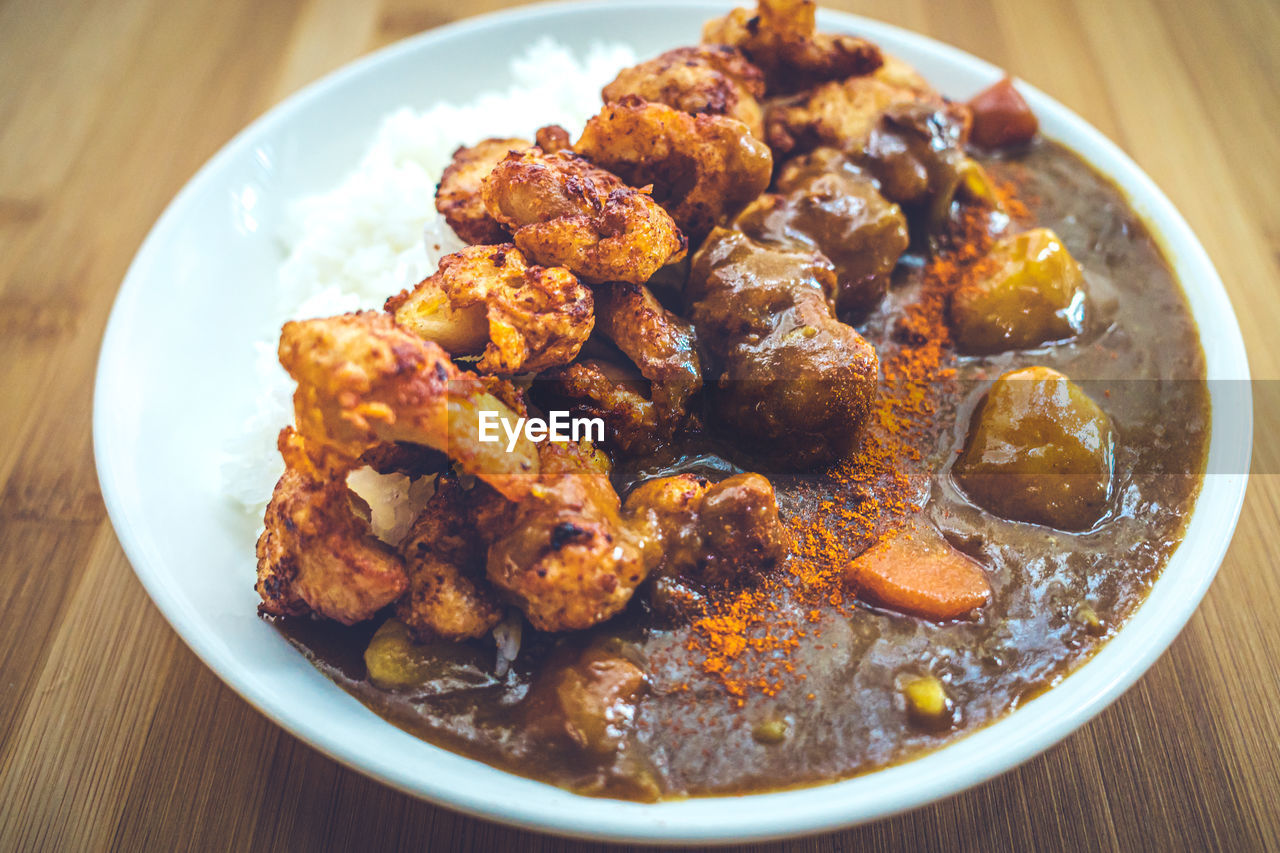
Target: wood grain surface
x=112 y=734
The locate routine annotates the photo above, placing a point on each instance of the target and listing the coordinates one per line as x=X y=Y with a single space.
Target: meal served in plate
x=891 y=411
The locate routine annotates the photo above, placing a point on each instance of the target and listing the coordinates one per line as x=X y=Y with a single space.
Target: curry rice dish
x=882 y=378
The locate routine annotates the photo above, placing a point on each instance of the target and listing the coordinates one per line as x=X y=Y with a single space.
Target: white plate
x=176 y=371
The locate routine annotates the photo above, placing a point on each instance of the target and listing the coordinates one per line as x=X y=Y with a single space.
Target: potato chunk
x=1028 y=291
x=1039 y=450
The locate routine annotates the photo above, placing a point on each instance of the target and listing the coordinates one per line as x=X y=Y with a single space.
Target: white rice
x=378 y=232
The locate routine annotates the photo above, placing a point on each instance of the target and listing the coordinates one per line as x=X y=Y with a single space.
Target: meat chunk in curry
x=824 y=202
x=712 y=534
x=792 y=382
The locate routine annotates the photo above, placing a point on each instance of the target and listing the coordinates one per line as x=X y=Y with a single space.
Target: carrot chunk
x=1001 y=118
x=915 y=571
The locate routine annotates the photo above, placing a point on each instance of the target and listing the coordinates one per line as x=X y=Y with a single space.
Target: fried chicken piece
x=659 y=343
x=713 y=534
x=570 y=560
x=702 y=168
x=488 y=299
x=712 y=79
x=593 y=388
x=794 y=383
x=363 y=380
x=448 y=597
x=781 y=37
x=315 y=554
x=826 y=203
x=458 y=194
x=566 y=212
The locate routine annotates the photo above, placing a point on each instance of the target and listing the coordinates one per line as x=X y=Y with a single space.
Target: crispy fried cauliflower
x=593 y=388
x=315 y=554
x=458 y=195
x=643 y=403
x=564 y=211
x=702 y=168
x=363 y=380
x=713 y=79
x=570 y=559
x=447 y=597
x=781 y=37
x=489 y=301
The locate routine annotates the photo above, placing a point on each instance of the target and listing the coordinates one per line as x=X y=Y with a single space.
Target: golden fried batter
x=448 y=597
x=781 y=37
x=570 y=559
x=566 y=212
x=362 y=380
x=660 y=343
x=702 y=168
x=488 y=299
x=458 y=195
x=315 y=554
x=593 y=388
x=712 y=79
x=639 y=411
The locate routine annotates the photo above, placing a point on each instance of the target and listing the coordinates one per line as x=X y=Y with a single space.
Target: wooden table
x=113 y=734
